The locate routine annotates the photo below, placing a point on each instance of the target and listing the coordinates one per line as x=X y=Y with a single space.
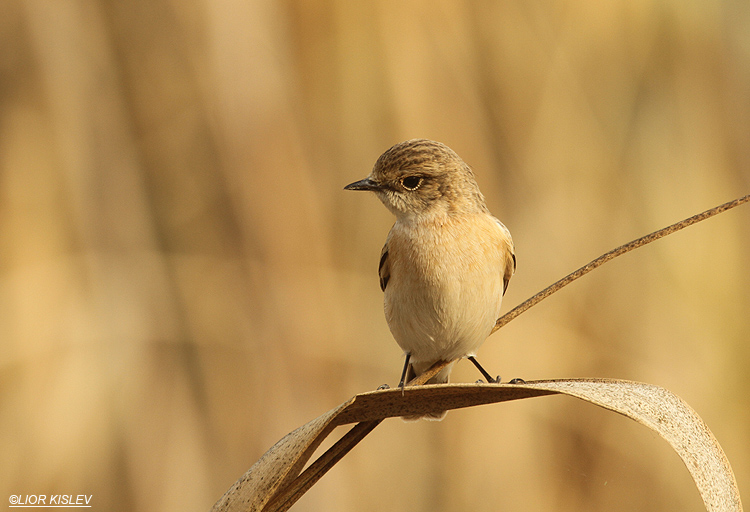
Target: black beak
x=365 y=184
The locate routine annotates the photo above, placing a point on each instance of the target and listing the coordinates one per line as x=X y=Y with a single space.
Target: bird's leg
x=403 y=373
x=484 y=372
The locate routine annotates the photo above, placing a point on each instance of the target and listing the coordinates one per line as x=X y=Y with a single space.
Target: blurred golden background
x=183 y=280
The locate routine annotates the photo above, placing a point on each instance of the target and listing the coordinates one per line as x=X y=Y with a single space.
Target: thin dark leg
x=484 y=372
x=403 y=373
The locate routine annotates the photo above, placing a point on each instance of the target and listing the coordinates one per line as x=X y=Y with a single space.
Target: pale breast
x=446 y=284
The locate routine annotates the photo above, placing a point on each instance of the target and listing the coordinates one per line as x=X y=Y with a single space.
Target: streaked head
x=420 y=176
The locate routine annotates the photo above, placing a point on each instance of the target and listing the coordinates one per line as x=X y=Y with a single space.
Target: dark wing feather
x=384 y=269
x=509 y=270
x=510 y=256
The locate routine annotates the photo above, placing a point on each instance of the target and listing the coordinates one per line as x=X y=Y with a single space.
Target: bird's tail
x=440 y=378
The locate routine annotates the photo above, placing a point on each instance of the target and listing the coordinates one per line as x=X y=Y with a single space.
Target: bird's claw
x=496 y=380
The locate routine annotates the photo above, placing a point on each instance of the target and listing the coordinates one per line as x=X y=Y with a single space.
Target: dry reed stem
x=604 y=258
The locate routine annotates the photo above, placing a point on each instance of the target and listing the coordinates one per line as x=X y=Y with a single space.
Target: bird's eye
x=411 y=182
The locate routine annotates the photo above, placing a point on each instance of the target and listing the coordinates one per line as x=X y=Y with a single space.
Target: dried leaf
x=280 y=464
x=274 y=483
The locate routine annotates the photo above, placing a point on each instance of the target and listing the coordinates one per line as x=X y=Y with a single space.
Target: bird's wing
x=510 y=268
x=384 y=269
x=510 y=256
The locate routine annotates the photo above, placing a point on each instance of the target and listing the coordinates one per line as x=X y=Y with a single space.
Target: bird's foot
x=496 y=380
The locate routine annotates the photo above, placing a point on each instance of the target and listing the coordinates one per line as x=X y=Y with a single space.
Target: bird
x=446 y=262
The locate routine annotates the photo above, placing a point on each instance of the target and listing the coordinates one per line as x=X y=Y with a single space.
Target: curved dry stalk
x=277 y=481
x=604 y=258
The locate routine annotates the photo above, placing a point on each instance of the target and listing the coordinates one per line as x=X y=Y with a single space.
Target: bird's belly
x=443 y=312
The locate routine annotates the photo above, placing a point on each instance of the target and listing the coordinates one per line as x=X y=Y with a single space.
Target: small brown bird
x=446 y=262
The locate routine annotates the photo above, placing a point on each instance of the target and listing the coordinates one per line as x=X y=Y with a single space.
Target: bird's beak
x=365 y=184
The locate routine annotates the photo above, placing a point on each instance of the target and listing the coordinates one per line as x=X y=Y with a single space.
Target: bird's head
x=421 y=176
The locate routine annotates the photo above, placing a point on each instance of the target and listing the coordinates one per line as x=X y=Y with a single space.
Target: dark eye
x=411 y=182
